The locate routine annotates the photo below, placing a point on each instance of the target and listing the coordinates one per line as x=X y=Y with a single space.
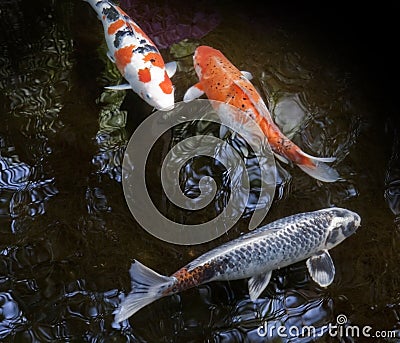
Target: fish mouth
x=357 y=219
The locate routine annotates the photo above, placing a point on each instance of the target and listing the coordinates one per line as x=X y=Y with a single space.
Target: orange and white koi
x=136 y=56
x=220 y=80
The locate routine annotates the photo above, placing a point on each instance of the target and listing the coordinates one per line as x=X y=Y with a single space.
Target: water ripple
x=111 y=136
x=14 y=174
x=392 y=180
x=67 y=238
x=11 y=317
x=34 y=90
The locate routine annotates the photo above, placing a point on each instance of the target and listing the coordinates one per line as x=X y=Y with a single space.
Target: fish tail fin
x=147 y=286
x=316 y=168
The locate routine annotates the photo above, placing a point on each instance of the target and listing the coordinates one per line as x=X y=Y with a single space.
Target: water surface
x=68 y=237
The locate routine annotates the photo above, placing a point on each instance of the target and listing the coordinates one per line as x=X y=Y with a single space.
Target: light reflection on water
x=68 y=237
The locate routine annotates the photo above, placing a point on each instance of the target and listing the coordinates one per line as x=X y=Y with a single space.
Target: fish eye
x=148 y=96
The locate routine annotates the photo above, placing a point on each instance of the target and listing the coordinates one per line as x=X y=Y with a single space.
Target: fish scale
x=308 y=232
x=305 y=236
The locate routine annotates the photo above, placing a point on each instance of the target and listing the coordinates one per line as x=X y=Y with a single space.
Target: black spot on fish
x=333 y=236
x=120 y=35
x=142 y=41
x=145 y=49
x=99 y=3
x=111 y=13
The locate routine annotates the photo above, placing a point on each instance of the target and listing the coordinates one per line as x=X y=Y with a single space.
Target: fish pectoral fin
x=110 y=57
x=321 y=268
x=257 y=284
x=170 y=68
x=223 y=131
x=247 y=75
x=121 y=87
x=193 y=93
x=281 y=158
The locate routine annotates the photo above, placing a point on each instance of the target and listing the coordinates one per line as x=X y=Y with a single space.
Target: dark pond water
x=67 y=237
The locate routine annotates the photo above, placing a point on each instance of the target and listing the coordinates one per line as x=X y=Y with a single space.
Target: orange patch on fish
x=115 y=26
x=144 y=75
x=166 y=85
x=123 y=56
x=155 y=59
x=187 y=279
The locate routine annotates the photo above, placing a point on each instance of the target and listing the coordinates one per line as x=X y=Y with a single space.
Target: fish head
x=202 y=58
x=158 y=91
x=152 y=84
x=159 y=95
x=343 y=223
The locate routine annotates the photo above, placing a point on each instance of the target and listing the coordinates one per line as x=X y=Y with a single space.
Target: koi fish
x=220 y=80
x=304 y=236
x=136 y=56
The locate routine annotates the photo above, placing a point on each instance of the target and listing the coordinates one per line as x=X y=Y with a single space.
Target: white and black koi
x=136 y=56
x=304 y=236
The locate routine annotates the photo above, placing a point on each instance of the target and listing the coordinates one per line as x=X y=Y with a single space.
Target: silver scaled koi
x=303 y=236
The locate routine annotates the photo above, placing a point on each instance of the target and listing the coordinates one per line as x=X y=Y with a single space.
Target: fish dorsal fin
x=247 y=75
x=321 y=268
x=170 y=68
x=193 y=93
x=257 y=284
x=259 y=105
x=263 y=231
x=121 y=87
